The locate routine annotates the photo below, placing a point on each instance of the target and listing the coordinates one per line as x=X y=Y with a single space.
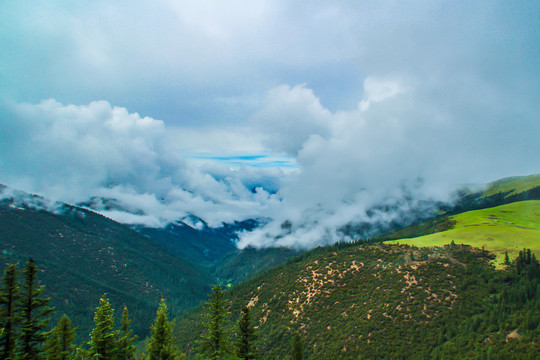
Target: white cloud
x=289 y=117
x=393 y=90
x=377 y=90
x=72 y=153
x=401 y=150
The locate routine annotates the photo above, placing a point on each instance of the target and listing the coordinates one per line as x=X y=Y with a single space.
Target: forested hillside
x=215 y=249
x=390 y=301
x=83 y=255
x=345 y=301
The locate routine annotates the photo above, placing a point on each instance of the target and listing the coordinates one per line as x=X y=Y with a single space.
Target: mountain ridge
x=83 y=255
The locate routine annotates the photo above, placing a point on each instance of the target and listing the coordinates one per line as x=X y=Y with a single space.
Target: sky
x=304 y=113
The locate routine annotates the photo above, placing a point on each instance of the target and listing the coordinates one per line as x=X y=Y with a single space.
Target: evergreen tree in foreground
x=103 y=337
x=59 y=344
x=161 y=343
x=245 y=349
x=214 y=344
x=9 y=315
x=34 y=311
x=298 y=352
x=126 y=349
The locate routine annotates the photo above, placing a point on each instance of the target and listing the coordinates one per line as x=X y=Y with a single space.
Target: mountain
x=377 y=300
x=382 y=301
x=410 y=215
x=82 y=255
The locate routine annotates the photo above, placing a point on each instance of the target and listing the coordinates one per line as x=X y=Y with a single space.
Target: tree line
x=25 y=333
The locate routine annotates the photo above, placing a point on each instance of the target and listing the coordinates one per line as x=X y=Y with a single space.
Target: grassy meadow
x=510 y=227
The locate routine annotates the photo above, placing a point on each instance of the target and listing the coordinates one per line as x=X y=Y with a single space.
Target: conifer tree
x=34 y=312
x=102 y=344
x=9 y=314
x=298 y=351
x=214 y=344
x=52 y=346
x=245 y=349
x=161 y=343
x=59 y=344
x=125 y=347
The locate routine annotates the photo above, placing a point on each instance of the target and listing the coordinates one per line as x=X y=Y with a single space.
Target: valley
x=434 y=289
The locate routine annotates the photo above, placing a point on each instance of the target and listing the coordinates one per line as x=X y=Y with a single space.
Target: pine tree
x=161 y=343
x=126 y=349
x=298 y=351
x=214 y=344
x=9 y=314
x=245 y=349
x=52 y=346
x=59 y=344
x=34 y=312
x=506 y=259
x=102 y=344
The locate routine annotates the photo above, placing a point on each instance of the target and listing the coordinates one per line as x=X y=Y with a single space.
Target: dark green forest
x=389 y=302
x=364 y=301
x=112 y=292
x=82 y=255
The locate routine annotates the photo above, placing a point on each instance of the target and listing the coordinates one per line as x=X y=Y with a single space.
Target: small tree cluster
x=216 y=343
x=24 y=317
x=108 y=343
x=23 y=314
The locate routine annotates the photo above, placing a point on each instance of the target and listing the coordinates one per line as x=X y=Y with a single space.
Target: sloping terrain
x=507 y=228
x=385 y=302
x=243 y=264
x=82 y=255
x=346 y=300
x=205 y=248
x=496 y=193
x=513 y=185
x=215 y=249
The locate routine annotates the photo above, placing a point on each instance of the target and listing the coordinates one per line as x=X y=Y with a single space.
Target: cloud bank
x=123 y=165
x=401 y=148
x=305 y=114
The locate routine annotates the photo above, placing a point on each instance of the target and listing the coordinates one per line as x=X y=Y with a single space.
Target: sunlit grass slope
x=510 y=227
x=513 y=185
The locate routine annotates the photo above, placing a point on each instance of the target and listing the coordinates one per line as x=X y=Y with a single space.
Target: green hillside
x=513 y=185
x=388 y=302
x=500 y=192
x=244 y=264
x=347 y=301
x=510 y=227
x=83 y=255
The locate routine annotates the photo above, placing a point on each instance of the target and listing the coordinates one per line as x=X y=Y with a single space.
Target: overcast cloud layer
x=310 y=113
